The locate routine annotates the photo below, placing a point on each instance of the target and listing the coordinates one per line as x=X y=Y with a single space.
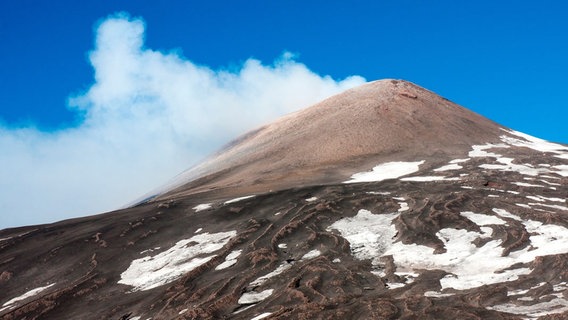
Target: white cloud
x=148 y=116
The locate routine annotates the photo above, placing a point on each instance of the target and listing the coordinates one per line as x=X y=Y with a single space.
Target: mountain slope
x=409 y=207
x=377 y=122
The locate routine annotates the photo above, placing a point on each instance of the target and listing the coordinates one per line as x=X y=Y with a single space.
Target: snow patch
x=457 y=260
x=312 y=254
x=559 y=287
x=389 y=170
x=369 y=235
x=542 y=198
x=506 y=214
x=282 y=246
x=254 y=297
x=10 y=304
x=479 y=150
x=556 y=305
x=281 y=268
x=562 y=170
x=452 y=166
x=150 y=272
x=379 y=193
x=553 y=206
x=149 y=250
x=550 y=183
x=482 y=219
x=535 y=198
x=312 y=199
x=523 y=184
x=460 y=160
x=201 y=207
x=508 y=165
x=435 y=294
x=534 y=143
x=262 y=316
x=395 y=285
x=230 y=260
x=429 y=178
x=238 y=199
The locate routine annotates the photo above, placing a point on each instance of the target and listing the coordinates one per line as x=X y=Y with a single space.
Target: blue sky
x=75 y=77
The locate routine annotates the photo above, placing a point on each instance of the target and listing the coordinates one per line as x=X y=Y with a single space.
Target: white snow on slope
x=452 y=166
x=11 y=303
x=556 y=305
x=553 y=206
x=561 y=170
x=505 y=214
x=371 y=236
x=230 y=260
x=403 y=206
x=428 y=178
x=523 y=184
x=437 y=294
x=312 y=254
x=150 y=272
x=262 y=316
x=479 y=150
x=542 y=199
x=238 y=199
x=534 y=143
x=482 y=219
x=201 y=207
x=281 y=268
x=508 y=165
x=254 y=297
x=389 y=170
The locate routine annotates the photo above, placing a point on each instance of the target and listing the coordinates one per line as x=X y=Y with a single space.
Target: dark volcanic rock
x=459 y=219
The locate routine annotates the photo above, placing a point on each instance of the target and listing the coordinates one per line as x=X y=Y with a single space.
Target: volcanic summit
x=386 y=201
x=376 y=122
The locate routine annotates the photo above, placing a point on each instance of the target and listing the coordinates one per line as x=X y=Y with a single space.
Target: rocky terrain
x=384 y=202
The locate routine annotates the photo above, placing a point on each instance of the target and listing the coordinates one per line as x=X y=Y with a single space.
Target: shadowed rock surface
x=450 y=217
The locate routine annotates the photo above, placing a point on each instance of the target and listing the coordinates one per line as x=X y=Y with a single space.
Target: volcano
x=386 y=201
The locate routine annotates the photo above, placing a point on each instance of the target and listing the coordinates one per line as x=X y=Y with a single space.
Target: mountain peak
x=379 y=121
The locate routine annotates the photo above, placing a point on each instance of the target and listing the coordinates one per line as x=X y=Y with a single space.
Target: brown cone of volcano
x=380 y=121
